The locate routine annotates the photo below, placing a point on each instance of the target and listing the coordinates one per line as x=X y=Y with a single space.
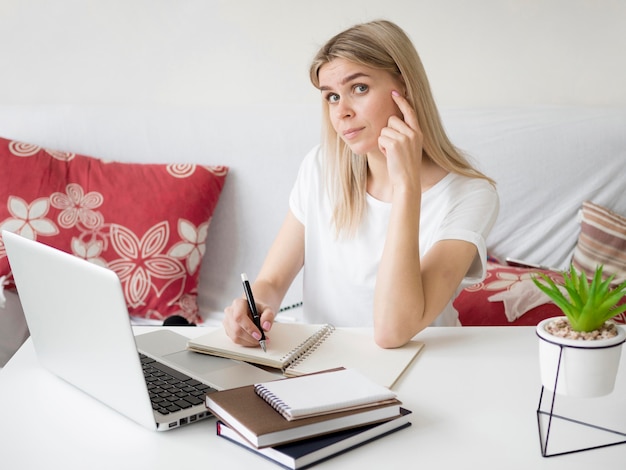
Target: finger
x=267 y=318
x=251 y=333
x=398 y=125
x=239 y=326
x=390 y=142
x=408 y=113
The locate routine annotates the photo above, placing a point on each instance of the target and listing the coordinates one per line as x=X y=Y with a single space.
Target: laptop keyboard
x=171 y=390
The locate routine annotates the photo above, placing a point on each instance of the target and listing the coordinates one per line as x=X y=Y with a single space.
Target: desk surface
x=473 y=393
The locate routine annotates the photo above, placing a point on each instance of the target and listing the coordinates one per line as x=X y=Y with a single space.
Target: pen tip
x=262 y=343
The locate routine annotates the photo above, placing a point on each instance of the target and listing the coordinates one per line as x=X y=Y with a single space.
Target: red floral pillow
x=475 y=308
x=146 y=222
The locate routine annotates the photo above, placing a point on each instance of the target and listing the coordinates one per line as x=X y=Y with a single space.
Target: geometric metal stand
x=544 y=439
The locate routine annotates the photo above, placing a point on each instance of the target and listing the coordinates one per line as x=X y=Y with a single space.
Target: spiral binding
x=273 y=400
x=306 y=348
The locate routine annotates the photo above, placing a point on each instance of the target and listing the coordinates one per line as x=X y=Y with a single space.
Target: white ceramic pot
x=587 y=369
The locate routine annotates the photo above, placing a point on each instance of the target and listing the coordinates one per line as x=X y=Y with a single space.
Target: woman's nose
x=344 y=109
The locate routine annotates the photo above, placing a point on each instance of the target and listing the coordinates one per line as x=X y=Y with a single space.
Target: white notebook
x=301 y=348
x=323 y=393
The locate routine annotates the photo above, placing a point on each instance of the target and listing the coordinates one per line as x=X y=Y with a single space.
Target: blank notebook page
x=352 y=350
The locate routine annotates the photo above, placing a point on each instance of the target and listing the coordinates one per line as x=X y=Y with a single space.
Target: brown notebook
x=255 y=420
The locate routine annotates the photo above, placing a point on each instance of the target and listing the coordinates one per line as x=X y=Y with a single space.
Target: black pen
x=255 y=314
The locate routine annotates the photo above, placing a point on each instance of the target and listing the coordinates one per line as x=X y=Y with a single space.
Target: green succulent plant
x=587 y=305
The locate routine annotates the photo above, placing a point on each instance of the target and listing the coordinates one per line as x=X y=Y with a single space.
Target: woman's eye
x=332 y=97
x=360 y=88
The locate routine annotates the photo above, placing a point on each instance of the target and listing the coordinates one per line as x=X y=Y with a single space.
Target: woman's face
x=359 y=102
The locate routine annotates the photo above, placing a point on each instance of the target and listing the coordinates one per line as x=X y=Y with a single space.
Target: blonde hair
x=382 y=45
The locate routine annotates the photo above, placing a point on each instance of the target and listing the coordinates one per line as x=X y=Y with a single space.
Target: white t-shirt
x=340 y=274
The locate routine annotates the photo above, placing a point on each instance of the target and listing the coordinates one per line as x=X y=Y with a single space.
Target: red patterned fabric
x=476 y=310
x=146 y=222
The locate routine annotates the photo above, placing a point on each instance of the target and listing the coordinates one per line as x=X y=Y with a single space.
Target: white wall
x=206 y=52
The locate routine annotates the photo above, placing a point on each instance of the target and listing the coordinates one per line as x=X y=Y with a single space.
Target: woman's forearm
x=399 y=300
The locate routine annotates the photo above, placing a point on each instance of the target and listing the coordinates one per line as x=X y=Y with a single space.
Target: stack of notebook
x=299 y=421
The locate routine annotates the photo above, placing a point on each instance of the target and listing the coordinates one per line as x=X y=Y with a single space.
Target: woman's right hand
x=281 y=265
x=239 y=326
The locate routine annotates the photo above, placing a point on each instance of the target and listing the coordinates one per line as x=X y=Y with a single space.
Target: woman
x=387 y=218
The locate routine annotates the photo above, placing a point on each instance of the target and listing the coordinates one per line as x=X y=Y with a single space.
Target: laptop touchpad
x=198 y=363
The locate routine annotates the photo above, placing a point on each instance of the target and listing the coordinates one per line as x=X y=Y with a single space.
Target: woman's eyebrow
x=345 y=80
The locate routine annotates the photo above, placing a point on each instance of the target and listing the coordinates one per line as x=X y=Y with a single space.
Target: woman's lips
x=349 y=134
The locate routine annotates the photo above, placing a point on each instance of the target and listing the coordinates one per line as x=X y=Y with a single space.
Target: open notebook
x=300 y=348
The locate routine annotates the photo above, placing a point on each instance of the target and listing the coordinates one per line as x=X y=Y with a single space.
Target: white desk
x=473 y=393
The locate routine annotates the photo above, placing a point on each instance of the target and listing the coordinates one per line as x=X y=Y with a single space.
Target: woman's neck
x=378 y=183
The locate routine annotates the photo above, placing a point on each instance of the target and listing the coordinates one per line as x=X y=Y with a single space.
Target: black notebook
x=308 y=452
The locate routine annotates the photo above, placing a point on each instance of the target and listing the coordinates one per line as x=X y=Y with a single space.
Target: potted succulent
x=584 y=345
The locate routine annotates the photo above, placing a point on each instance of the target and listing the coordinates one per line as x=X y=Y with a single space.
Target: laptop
x=81 y=332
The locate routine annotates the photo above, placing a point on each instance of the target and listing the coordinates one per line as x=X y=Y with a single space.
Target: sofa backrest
x=546 y=160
